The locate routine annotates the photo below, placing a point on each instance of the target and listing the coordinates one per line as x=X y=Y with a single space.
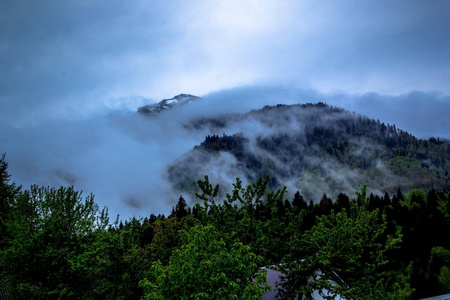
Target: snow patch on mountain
x=166 y=104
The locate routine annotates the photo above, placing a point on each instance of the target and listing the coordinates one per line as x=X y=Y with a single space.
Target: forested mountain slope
x=393 y=246
x=313 y=148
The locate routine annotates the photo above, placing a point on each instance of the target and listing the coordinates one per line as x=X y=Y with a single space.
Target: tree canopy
x=58 y=244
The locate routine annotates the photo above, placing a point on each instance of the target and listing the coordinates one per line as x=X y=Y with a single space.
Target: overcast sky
x=65 y=58
x=63 y=63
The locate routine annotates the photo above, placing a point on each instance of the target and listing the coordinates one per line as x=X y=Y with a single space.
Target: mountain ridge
x=155 y=109
x=313 y=148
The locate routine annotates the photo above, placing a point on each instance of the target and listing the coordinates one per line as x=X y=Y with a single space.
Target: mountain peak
x=181 y=97
x=166 y=104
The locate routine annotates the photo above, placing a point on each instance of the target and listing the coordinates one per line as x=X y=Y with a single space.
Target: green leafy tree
x=444 y=279
x=207 y=267
x=166 y=239
x=345 y=256
x=53 y=252
x=439 y=264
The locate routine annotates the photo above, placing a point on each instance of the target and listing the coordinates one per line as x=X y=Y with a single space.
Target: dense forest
x=313 y=148
x=59 y=244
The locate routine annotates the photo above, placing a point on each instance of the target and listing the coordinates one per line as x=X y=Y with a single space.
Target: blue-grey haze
x=73 y=73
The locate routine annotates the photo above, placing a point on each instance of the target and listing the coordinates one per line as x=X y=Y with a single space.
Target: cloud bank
x=74 y=72
x=123 y=157
x=68 y=59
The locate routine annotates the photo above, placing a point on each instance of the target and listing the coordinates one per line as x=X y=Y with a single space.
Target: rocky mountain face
x=312 y=148
x=153 y=110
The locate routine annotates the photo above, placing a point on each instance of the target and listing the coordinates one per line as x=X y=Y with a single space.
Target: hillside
x=312 y=148
x=366 y=246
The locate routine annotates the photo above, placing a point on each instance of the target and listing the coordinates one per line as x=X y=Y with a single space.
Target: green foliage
x=166 y=239
x=439 y=264
x=8 y=192
x=206 y=267
x=55 y=244
x=444 y=279
x=53 y=251
x=207 y=195
x=344 y=255
x=361 y=197
x=416 y=198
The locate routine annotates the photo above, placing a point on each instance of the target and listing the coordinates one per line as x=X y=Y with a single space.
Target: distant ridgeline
x=312 y=148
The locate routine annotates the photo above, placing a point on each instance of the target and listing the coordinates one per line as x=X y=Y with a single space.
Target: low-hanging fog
x=73 y=74
x=122 y=157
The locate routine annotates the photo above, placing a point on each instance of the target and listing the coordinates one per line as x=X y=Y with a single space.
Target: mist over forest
x=314 y=149
x=123 y=157
x=147 y=146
